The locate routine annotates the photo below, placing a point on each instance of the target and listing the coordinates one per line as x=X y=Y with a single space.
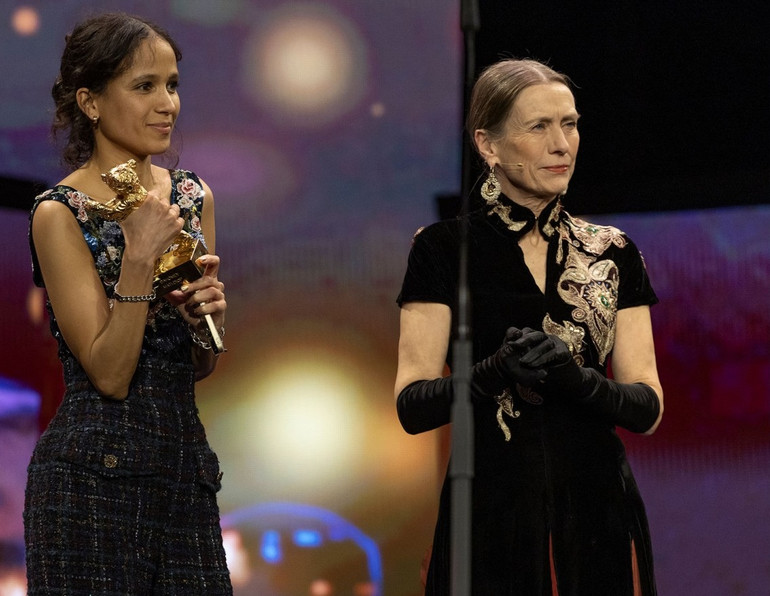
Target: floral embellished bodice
x=165 y=333
x=584 y=284
x=156 y=428
x=548 y=473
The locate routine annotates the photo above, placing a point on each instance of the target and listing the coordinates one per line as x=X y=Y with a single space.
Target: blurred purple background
x=326 y=130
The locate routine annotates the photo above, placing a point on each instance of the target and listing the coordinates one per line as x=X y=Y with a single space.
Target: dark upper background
x=674 y=96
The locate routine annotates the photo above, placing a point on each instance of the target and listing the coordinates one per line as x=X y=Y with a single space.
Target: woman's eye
x=173 y=86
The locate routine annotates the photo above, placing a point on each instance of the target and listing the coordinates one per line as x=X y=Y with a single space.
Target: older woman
x=556 y=509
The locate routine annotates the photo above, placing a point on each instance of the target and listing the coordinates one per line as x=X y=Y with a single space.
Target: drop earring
x=491 y=188
x=95 y=121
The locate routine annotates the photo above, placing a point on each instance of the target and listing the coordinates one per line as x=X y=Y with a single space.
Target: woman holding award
x=121 y=492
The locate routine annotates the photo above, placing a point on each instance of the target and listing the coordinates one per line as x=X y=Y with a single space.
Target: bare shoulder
x=208 y=195
x=49 y=213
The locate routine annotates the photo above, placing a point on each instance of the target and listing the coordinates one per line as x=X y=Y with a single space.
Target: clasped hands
x=536 y=359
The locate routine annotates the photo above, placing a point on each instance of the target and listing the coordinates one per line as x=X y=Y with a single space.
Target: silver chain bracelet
x=139 y=298
x=198 y=340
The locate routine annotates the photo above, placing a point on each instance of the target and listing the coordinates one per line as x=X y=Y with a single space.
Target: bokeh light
x=300 y=426
x=307 y=415
x=237 y=557
x=321 y=587
x=13 y=583
x=25 y=20
x=306 y=65
x=377 y=110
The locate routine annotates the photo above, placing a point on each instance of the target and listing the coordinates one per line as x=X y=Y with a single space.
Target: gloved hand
x=425 y=404
x=634 y=406
x=550 y=354
x=504 y=368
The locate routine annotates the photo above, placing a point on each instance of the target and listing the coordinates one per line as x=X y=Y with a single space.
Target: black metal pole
x=461 y=468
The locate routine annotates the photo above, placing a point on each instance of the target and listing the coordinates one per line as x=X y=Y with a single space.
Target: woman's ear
x=485 y=146
x=86 y=103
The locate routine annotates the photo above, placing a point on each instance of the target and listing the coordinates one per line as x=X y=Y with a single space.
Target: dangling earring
x=95 y=120
x=491 y=188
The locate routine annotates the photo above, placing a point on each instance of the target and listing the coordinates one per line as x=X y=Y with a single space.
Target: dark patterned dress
x=121 y=494
x=546 y=471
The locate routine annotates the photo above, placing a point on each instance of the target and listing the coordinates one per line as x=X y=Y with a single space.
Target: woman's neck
x=534 y=204
x=88 y=178
x=103 y=162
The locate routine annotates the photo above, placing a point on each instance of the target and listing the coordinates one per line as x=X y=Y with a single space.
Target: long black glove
x=634 y=406
x=426 y=404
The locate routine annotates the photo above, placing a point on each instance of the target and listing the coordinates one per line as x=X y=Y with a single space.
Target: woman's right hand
x=151 y=228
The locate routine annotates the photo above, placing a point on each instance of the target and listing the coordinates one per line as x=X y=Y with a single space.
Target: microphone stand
x=461 y=462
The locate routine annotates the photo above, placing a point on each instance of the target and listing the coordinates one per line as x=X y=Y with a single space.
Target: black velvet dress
x=555 y=473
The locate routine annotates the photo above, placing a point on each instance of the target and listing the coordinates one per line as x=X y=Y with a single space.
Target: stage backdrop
x=326 y=130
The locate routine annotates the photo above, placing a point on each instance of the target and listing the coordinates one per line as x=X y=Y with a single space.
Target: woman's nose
x=559 y=143
x=168 y=102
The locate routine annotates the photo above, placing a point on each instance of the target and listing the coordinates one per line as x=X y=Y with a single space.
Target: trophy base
x=178 y=266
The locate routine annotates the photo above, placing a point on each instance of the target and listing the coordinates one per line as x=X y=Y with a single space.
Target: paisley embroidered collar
x=521 y=220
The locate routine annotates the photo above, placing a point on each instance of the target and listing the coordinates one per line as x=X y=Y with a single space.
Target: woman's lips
x=162 y=128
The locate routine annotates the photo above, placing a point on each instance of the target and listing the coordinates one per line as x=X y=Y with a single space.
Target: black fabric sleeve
x=635 y=288
x=431 y=273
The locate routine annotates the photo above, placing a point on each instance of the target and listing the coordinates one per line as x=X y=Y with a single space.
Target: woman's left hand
x=203 y=296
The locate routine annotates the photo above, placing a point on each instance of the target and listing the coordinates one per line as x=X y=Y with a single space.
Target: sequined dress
x=121 y=494
x=546 y=471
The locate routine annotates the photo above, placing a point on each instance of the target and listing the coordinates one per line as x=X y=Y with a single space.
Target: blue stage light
x=271 y=547
x=308 y=538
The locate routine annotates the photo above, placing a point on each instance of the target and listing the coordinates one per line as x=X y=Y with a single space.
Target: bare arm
x=106 y=341
x=423 y=342
x=633 y=357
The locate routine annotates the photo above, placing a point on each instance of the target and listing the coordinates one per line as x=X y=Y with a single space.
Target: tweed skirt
x=118 y=526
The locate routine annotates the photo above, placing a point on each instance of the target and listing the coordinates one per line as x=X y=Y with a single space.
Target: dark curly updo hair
x=98 y=50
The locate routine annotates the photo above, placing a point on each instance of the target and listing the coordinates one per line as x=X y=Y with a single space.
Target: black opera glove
x=633 y=406
x=426 y=404
x=506 y=362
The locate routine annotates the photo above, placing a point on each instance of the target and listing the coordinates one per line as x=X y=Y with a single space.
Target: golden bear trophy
x=179 y=264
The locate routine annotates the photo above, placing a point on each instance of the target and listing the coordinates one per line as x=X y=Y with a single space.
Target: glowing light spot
x=13 y=583
x=306 y=416
x=307 y=63
x=271 y=547
x=365 y=589
x=307 y=538
x=377 y=110
x=25 y=20
x=305 y=420
x=36 y=305
x=237 y=557
x=321 y=587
